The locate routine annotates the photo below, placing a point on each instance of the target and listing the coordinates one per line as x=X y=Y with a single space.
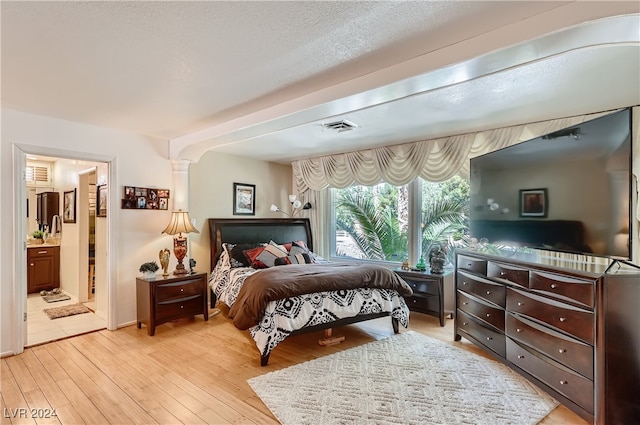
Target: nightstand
x=428 y=292
x=164 y=299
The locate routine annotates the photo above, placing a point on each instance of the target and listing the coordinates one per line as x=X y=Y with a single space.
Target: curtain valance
x=434 y=160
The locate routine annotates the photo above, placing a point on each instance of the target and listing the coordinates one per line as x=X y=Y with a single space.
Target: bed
x=295 y=314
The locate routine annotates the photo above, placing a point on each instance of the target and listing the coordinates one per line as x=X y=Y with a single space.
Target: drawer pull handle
x=503 y=273
x=31 y=264
x=489 y=338
x=465 y=303
x=563 y=382
x=518 y=330
x=520 y=356
x=563 y=319
x=488 y=292
x=562 y=351
x=465 y=323
x=181 y=289
x=465 y=283
x=469 y=264
x=488 y=314
x=554 y=286
x=181 y=306
x=42 y=252
x=520 y=304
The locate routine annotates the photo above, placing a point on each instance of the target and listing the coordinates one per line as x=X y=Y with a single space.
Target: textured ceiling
x=258 y=78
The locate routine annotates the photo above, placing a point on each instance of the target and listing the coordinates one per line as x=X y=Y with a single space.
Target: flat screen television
x=567 y=191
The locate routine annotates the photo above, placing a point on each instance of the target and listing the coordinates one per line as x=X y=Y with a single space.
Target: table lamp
x=180 y=223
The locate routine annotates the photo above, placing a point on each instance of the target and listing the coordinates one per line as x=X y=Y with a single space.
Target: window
x=393 y=223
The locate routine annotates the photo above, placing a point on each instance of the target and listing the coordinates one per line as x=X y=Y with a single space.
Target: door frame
x=20 y=152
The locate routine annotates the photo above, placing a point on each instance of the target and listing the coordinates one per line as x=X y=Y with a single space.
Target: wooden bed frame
x=243 y=230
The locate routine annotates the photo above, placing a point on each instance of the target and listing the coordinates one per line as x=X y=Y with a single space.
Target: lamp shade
x=180 y=223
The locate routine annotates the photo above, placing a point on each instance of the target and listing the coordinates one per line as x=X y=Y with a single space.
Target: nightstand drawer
x=179 y=289
x=483 y=311
x=482 y=288
x=423 y=303
x=179 y=307
x=423 y=286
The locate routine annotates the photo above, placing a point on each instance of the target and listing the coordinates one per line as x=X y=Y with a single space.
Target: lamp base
x=180 y=251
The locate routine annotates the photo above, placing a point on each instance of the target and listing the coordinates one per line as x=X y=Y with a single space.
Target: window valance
x=433 y=160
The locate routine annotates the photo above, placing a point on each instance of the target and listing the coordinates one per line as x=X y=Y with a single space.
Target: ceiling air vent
x=38 y=174
x=340 y=126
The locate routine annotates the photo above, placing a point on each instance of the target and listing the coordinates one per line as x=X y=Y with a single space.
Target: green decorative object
x=421 y=265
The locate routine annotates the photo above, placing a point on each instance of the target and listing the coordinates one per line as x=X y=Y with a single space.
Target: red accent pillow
x=252 y=254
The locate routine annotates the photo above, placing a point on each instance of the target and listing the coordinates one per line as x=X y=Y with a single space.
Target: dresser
x=429 y=292
x=570 y=328
x=43 y=268
x=165 y=299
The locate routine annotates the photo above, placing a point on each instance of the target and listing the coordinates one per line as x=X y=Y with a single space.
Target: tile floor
x=41 y=329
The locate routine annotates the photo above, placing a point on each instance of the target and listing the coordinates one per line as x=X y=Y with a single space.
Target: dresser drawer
x=42 y=252
x=482 y=288
x=179 y=289
x=482 y=310
x=566 y=350
x=472 y=264
x=506 y=272
x=568 y=383
x=179 y=307
x=574 y=321
x=567 y=288
x=473 y=329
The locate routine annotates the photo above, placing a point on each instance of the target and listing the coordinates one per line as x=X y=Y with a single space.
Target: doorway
x=104 y=287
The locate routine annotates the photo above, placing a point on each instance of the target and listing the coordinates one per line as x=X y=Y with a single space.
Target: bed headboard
x=245 y=230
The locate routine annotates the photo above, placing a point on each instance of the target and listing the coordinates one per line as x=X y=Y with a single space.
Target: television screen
x=566 y=191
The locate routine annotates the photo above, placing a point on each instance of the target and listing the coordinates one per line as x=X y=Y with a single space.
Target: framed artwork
x=244 y=199
x=145 y=198
x=69 y=207
x=533 y=203
x=101 y=201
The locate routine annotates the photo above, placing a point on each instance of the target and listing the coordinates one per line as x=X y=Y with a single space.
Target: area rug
x=404 y=379
x=67 y=310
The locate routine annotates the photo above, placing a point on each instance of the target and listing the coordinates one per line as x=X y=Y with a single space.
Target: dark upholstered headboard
x=245 y=230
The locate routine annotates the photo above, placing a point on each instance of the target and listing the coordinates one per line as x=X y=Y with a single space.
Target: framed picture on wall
x=533 y=203
x=244 y=199
x=101 y=201
x=69 y=207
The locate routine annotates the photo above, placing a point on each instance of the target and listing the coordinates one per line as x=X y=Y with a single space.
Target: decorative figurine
x=164 y=256
x=192 y=265
x=405 y=264
x=437 y=260
x=421 y=265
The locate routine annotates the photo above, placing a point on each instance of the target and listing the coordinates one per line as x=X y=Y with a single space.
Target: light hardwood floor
x=191 y=372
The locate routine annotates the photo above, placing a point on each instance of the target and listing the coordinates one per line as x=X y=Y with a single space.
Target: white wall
x=211 y=194
x=139 y=161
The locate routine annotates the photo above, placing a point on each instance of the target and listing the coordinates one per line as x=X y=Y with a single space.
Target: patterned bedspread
x=289 y=314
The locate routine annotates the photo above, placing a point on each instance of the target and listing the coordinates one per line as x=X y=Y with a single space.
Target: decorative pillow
x=236 y=253
x=298 y=248
x=269 y=254
x=293 y=259
x=252 y=254
x=277 y=245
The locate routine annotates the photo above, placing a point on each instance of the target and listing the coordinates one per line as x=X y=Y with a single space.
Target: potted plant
x=38 y=236
x=149 y=269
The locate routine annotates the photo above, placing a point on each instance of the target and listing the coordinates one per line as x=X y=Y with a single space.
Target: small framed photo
x=129 y=192
x=69 y=207
x=163 y=203
x=101 y=201
x=244 y=199
x=533 y=203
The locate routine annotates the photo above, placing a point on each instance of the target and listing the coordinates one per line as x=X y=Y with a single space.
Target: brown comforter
x=298 y=279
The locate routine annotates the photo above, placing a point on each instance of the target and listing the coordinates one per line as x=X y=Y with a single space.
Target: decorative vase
x=149 y=275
